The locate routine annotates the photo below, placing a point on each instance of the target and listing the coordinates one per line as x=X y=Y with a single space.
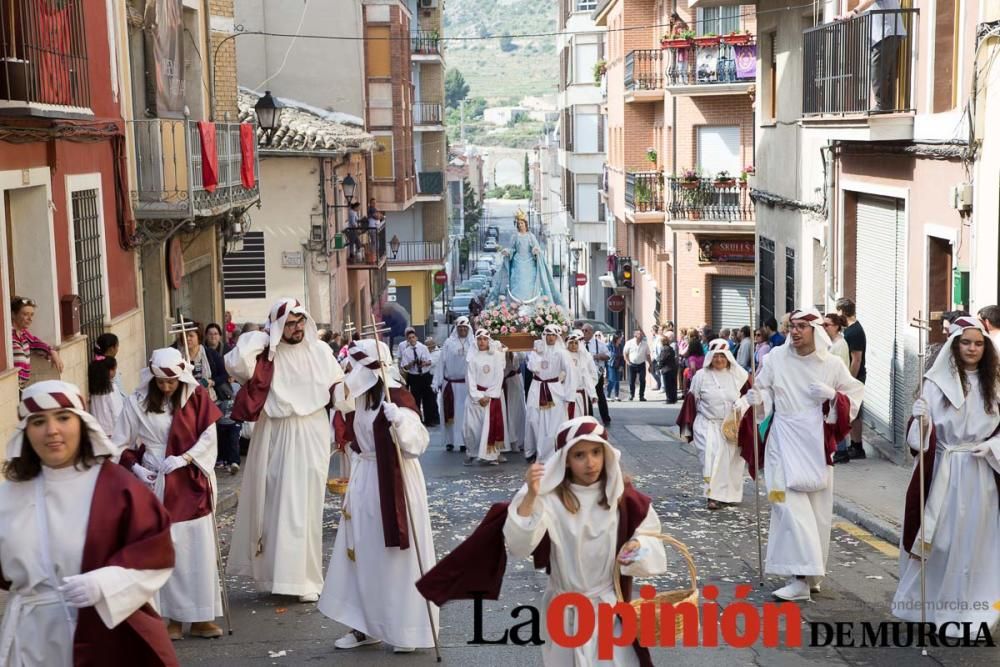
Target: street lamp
x=268 y=115
x=394 y=245
x=349 y=186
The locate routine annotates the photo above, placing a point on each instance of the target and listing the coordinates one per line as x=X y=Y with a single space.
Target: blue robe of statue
x=524 y=276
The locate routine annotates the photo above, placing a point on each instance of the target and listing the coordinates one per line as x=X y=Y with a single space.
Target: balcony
x=431 y=185
x=839 y=76
x=421 y=253
x=644 y=195
x=428 y=116
x=425 y=46
x=169 y=170
x=43 y=58
x=365 y=247
x=644 y=75
x=711 y=65
x=709 y=204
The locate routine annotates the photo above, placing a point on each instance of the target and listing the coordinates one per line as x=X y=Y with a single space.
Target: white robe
x=515 y=400
x=542 y=424
x=585 y=380
x=721 y=464
x=799 y=538
x=278 y=537
x=582 y=561
x=485 y=369
x=192 y=593
x=356 y=589
x=36 y=631
x=107 y=410
x=452 y=366
x=962 y=564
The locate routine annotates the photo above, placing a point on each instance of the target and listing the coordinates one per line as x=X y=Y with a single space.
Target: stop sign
x=616 y=303
x=581 y=279
x=441 y=277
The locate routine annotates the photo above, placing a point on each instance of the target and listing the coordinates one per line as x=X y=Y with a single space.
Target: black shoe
x=530 y=459
x=856 y=451
x=606 y=421
x=841 y=457
x=462 y=448
x=642 y=400
x=449 y=448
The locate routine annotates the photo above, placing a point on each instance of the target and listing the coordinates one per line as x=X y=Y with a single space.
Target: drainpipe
x=826 y=153
x=673 y=149
x=206 y=14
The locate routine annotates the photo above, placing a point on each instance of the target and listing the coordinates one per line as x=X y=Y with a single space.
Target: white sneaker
x=795 y=590
x=309 y=597
x=350 y=640
x=402 y=649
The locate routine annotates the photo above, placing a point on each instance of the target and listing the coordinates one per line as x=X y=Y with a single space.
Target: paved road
x=280 y=631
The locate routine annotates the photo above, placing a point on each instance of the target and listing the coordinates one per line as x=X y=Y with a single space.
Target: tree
x=455 y=88
x=527 y=174
x=473 y=207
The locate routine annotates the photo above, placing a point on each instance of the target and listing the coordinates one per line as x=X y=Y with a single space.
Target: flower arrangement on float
x=517 y=325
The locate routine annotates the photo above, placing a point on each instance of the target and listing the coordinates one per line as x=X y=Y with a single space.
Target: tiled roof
x=301 y=130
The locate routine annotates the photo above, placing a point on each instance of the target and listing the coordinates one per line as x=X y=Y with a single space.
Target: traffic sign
x=581 y=279
x=441 y=277
x=616 y=303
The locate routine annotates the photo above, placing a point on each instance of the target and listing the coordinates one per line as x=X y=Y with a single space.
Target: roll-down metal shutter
x=877 y=296
x=730 y=307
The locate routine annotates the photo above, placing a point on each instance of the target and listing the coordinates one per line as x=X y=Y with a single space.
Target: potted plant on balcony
x=600 y=67
x=651 y=154
x=694 y=201
x=689 y=179
x=643 y=195
x=677 y=40
x=737 y=38
x=709 y=40
x=747 y=172
x=724 y=180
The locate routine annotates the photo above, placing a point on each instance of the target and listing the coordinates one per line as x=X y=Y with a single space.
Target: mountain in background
x=503 y=70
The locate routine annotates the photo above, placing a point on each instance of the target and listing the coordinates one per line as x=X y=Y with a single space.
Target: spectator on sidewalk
x=22 y=314
x=744 y=349
x=990 y=317
x=654 y=350
x=637 y=355
x=770 y=327
x=834 y=326
x=230 y=330
x=599 y=351
x=666 y=367
x=695 y=358
x=214 y=340
x=857 y=344
x=615 y=367
x=761 y=347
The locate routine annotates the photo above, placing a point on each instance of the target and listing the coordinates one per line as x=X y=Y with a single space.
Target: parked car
x=598 y=325
x=493 y=231
x=490 y=245
x=459 y=306
x=484 y=266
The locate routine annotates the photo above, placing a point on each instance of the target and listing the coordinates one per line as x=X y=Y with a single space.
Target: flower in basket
x=689 y=175
x=539 y=321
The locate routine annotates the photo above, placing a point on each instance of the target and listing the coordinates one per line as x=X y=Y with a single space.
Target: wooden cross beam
x=374 y=330
x=349 y=328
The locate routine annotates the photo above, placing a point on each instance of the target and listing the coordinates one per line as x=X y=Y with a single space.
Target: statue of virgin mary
x=523 y=276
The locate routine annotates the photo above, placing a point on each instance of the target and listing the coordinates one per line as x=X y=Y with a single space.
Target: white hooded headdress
x=943 y=372
x=815 y=320
x=168 y=363
x=276 y=323
x=579 y=430
x=721 y=346
x=367 y=362
x=57 y=395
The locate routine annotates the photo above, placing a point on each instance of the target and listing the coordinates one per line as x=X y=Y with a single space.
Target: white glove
x=920 y=408
x=145 y=475
x=981 y=450
x=435 y=388
x=80 y=590
x=172 y=463
x=392 y=413
x=754 y=397
x=819 y=391
x=740 y=405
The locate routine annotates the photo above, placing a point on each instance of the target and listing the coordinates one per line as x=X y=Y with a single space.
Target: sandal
x=714 y=505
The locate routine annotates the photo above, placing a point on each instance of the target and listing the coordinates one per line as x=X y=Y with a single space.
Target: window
x=586 y=5
x=382 y=160
x=243 y=272
x=718 y=20
x=719 y=150
x=87 y=245
x=587 y=202
x=586 y=127
x=789 y=279
x=377 y=53
x=766 y=271
x=586 y=58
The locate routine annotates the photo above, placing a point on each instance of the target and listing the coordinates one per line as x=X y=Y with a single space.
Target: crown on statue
x=520 y=216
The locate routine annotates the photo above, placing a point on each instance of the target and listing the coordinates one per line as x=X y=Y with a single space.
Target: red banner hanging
x=209 y=156
x=248 y=143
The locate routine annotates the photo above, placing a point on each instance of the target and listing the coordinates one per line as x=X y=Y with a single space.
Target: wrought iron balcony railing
x=428 y=113
x=861 y=66
x=418 y=252
x=712 y=60
x=431 y=182
x=709 y=199
x=425 y=43
x=366 y=246
x=644 y=70
x=644 y=191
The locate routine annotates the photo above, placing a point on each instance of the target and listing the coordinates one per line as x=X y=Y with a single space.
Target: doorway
x=939 y=267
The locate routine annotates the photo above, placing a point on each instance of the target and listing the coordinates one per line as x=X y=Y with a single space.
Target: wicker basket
x=670 y=597
x=339 y=484
x=731 y=428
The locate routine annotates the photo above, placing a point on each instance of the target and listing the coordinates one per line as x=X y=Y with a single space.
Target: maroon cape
x=911 y=511
x=832 y=433
x=128 y=527
x=187 y=492
x=392 y=497
x=689 y=410
x=476 y=567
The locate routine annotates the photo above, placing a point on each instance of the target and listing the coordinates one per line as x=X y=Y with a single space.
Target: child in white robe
x=106 y=399
x=961 y=401
x=552 y=389
x=449 y=379
x=484 y=376
x=574 y=499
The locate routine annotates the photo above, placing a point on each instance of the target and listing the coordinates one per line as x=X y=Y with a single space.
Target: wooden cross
x=349 y=328
x=374 y=330
x=181 y=326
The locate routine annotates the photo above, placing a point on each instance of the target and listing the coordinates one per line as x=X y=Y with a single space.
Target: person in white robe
x=449 y=380
x=106 y=400
x=552 y=388
x=278 y=537
x=961 y=403
x=63 y=610
x=585 y=376
x=715 y=396
x=192 y=594
x=798 y=384
x=484 y=378
x=363 y=569
x=574 y=498
x=513 y=389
